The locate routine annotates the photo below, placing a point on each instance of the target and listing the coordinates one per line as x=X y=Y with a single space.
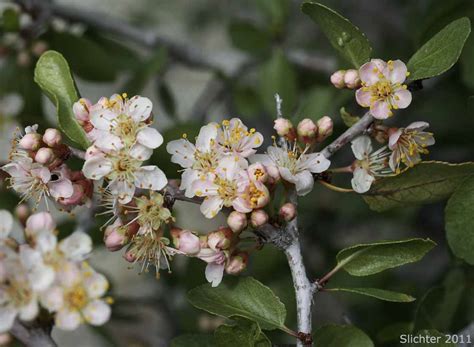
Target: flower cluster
x=48 y=273
x=38 y=170
x=122 y=140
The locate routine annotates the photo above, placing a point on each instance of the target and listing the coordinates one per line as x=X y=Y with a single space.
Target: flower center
x=126 y=128
x=18 y=293
x=77 y=298
x=151 y=213
x=255 y=195
x=227 y=190
x=205 y=162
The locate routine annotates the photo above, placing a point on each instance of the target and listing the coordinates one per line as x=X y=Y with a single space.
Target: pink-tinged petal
x=363 y=97
x=14 y=170
x=214 y=273
x=66 y=319
x=380 y=110
x=150 y=177
x=139 y=108
x=68 y=274
x=262 y=159
x=287 y=175
x=6 y=224
x=7 y=317
x=41 y=172
x=76 y=246
x=97 y=312
x=211 y=206
x=315 y=162
x=362 y=180
x=241 y=205
x=40 y=221
x=229 y=167
x=29 y=311
x=123 y=189
x=401 y=98
x=204 y=187
x=150 y=137
x=140 y=152
x=61 y=188
x=304 y=183
x=398 y=73
x=182 y=152
x=209 y=255
x=96 y=167
x=361 y=147
x=108 y=142
x=96 y=284
x=369 y=73
x=207 y=136
x=393 y=139
x=52 y=299
x=102 y=119
x=420 y=125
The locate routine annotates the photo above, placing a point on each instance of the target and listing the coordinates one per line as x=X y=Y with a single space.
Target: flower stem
x=335 y=188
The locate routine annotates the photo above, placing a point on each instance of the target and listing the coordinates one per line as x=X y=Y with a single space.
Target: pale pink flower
x=216 y=260
x=237 y=139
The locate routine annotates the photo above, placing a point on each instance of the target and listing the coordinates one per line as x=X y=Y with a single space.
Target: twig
x=33 y=334
x=77 y=153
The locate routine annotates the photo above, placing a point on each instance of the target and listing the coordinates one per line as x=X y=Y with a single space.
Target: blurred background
x=206 y=60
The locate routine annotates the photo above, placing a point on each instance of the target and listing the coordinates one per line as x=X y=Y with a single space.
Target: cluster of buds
x=307 y=131
x=51 y=274
x=38 y=170
x=346 y=79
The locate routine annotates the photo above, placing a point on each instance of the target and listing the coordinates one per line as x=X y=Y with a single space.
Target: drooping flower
x=407 y=144
x=369 y=164
x=294 y=165
x=382 y=87
x=216 y=261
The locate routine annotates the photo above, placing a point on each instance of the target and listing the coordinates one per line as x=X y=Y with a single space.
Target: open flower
x=368 y=165
x=294 y=165
x=382 y=87
x=407 y=144
x=216 y=260
x=237 y=139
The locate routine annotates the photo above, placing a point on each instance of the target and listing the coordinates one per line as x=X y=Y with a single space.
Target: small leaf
x=249 y=38
x=371 y=258
x=346 y=38
x=193 y=340
x=341 y=336
x=425 y=183
x=278 y=76
x=441 y=52
x=348 y=119
x=243 y=333
x=52 y=74
x=243 y=296
x=381 y=294
x=459 y=221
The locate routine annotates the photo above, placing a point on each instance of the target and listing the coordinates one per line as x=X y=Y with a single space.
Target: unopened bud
x=81 y=109
x=284 y=127
x=237 y=221
x=351 y=79
x=31 y=141
x=325 y=127
x=220 y=239
x=237 y=263
x=258 y=218
x=307 y=130
x=273 y=172
x=40 y=221
x=129 y=256
x=52 y=137
x=114 y=237
x=337 y=79
x=287 y=212
x=38 y=48
x=257 y=172
x=22 y=212
x=44 y=156
x=187 y=242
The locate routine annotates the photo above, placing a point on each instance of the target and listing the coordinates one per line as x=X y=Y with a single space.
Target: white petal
x=399 y=72
x=420 y=125
x=30 y=311
x=102 y=119
x=287 y=175
x=187 y=179
x=61 y=188
x=6 y=223
x=150 y=138
x=52 y=299
x=46 y=241
x=402 y=98
x=7 y=317
x=139 y=108
x=211 y=206
x=304 y=183
x=96 y=285
x=140 y=152
x=262 y=159
x=41 y=277
x=67 y=320
x=97 y=312
x=361 y=147
x=124 y=190
x=207 y=135
x=76 y=246
x=214 y=273
x=362 y=180
x=182 y=152
x=393 y=139
x=96 y=168
x=107 y=142
x=150 y=177
x=380 y=109
x=315 y=162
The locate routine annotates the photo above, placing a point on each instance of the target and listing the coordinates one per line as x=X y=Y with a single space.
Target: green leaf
x=459 y=221
x=10 y=20
x=393 y=331
x=147 y=70
x=52 y=74
x=438 y=339
x=425 y=183
x=381 y=294
x=441 y=52
x=371 y=258
x=333 y=335
x=249 y=38
x=242 y=296
x=243 y=333
x=193 y=340
x=346 y=38
x=348 y=119
x=278 y=76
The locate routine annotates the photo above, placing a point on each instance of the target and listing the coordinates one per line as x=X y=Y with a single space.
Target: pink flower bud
x=287 y=211
x=258 y=218
x=273 y=172
x=325 y=127
x=31 y=141
x=129 y=256
x=283 y=127
x=187 y=242
x=81 y=110
x=337 y=79
x=44 y=156
x=22 y=212
x=351 y=79
x=40 y=221
x=237 y=263
x=38 y=48
x=114 y=238
x=52 y=137
x=237 y=221
x=220 y=239
x=307 y=128
x=257 y=172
